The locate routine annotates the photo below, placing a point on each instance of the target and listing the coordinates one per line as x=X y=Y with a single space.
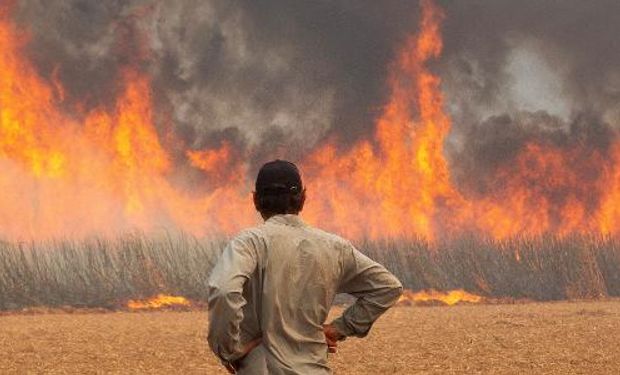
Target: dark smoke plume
x=276 y=77
x=574 y=41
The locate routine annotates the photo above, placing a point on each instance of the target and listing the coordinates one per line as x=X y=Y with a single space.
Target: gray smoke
x=276 y=71
x=518 y=73
x=276 y=76
x=562 y=57
x=494 y=156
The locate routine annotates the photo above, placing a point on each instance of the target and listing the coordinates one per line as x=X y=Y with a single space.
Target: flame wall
x=152 y=115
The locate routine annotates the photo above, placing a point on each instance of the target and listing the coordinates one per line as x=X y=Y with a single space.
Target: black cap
x=278 y=177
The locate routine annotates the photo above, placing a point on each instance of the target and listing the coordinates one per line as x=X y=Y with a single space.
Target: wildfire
x=401 y=184
x=107 y=173
x=449 y=298
x=111 y=169
x=158 y=302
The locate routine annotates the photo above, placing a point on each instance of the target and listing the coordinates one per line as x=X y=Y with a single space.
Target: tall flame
x=106 y=171
x=400 y=183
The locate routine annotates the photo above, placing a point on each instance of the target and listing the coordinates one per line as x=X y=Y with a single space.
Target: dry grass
x=541 y=338
x=106 y=273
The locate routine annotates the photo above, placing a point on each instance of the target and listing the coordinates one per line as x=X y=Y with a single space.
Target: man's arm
x=376 y=290
x=234 y=267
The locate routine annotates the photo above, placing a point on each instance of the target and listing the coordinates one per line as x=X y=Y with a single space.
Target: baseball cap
x=278 y=177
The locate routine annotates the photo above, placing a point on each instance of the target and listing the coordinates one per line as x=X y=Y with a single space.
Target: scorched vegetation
x=109 y=273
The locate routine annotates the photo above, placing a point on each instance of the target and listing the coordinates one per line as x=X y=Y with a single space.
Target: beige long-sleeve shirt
x=278 y=281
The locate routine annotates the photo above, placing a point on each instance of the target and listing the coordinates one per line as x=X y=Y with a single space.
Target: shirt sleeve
x=226 y=301
x=374 y=286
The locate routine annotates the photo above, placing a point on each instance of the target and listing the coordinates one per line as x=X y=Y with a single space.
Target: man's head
x=279 y=189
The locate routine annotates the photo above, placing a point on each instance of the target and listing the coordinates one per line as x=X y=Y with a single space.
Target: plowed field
x=535 y=338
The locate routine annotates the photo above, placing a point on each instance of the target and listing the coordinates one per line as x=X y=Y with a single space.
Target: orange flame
x=450 y=298
x=158 y=302
x=401 y=184
x=107 y=171
x=107 y=174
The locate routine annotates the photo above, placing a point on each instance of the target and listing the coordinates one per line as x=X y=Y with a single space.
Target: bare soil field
x=535 y=338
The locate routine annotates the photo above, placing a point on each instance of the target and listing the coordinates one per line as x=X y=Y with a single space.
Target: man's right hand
x=232 y=367
x=332 y=336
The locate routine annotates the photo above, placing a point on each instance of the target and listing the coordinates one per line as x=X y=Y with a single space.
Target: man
x=273 y=286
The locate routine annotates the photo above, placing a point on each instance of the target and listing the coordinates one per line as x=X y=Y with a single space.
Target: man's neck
x=266 y=215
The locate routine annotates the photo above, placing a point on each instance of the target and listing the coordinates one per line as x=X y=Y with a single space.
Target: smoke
x=559 y=57
x=276 y=77
x=495 y=149
x=532 y=73
x=275 y=71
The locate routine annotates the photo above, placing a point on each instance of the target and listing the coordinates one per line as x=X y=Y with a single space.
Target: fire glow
x=158 y=302
x=449 y=298
x=111 y=170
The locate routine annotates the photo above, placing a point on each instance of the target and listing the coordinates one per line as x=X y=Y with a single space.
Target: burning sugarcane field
x=166 y=167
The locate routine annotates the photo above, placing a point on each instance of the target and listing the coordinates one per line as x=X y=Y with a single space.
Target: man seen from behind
x=272 y=288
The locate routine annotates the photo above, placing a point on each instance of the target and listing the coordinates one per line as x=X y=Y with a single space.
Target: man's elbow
x=390 y=290
x=215 y=291
x=396 y=290
x=220 y=296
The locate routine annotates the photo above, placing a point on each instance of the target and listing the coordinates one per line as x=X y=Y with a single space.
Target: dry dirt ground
x=536 y=338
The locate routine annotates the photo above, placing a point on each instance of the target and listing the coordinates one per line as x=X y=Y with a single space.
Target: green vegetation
x=107 y=273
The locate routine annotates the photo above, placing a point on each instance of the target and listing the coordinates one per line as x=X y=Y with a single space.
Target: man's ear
x=302 y=200
x=256 y=201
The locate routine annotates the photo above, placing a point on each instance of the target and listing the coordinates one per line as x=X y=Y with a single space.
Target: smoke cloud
x=275 y=77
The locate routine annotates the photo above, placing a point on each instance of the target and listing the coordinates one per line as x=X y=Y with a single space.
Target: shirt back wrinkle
x=300 y=281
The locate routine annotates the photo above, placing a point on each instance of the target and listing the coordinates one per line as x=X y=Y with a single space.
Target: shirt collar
x=288 y=219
